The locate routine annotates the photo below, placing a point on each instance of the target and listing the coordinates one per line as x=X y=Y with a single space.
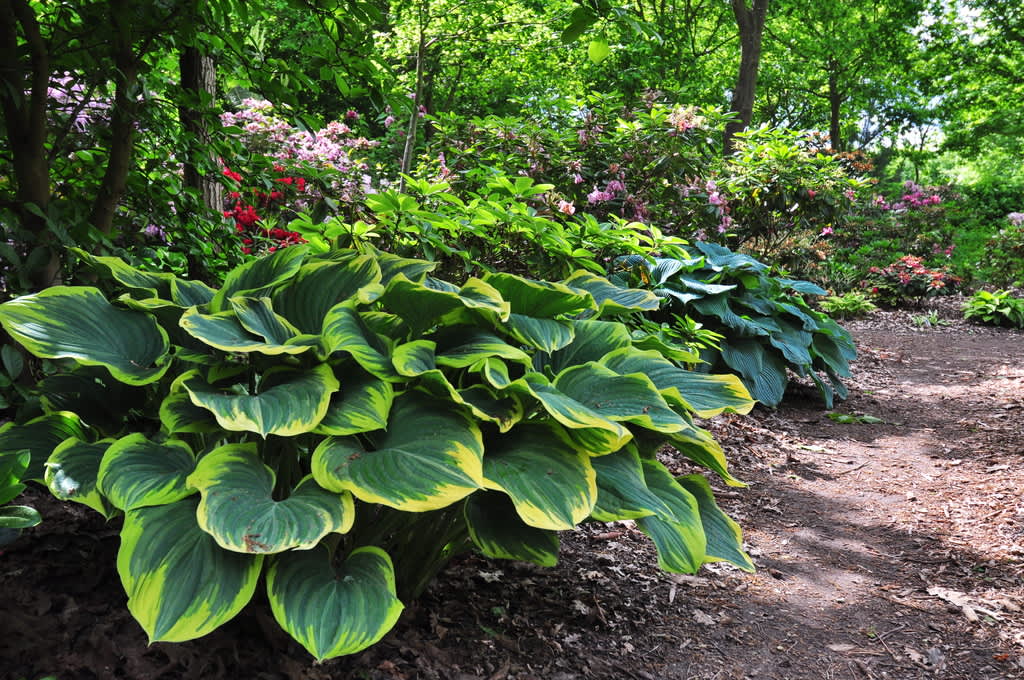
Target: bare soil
x=884 y=550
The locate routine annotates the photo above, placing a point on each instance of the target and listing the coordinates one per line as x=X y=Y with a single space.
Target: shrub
x=1004 y=253
x=768 y=328
x=997 y=309
x=849 y=305
x=907 y=279
x=319 y=415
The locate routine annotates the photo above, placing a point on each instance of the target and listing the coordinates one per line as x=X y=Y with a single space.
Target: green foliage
x=767 y=327
x=339 y=425
x=1003 y=263
x=850 y=305
x=998 y=308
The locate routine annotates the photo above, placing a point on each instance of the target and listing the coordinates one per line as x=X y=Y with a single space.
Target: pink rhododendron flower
x=566 y=207
x=827 y=231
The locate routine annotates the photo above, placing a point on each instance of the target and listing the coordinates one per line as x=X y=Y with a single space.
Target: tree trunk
x=23 y=93
x=751 y=27
x=835 y=102
x=199 y=80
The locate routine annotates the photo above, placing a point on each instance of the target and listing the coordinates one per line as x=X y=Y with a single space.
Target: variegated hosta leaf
x=622 y=492
x=622 y=398
x=504 y=410
x=591 y=431
x=187 y=293
x=78 y=323
x=546 y=335
x=240 y=513
x=224 y=331
x=345 y=331
x=257 y=316
x=498 y=532
x=334 y=611
x=706 y=395
x=725 y=538
x=552 y=485
x=91 y=393
x=429 y=457
x=680 y=541
x=320 y=285
x=700 y=446
x=591 y=342
x=179 y=415
x=296 y=402
x=414 y=358
x=260 y=276
x=540 y=299
x=423 y=307
x=40 y=436
x=71 y=473
x=463 y=346
x=151 y=284
x=361 y=404
x=393 y=265
x=181 y=585
x=613 y=299
x=136 y=472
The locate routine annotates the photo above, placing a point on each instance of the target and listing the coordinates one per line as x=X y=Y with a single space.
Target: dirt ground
x=884 y=550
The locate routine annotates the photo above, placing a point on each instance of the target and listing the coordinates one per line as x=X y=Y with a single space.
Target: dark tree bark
x=750 y=22
x=199 y=80
x=835 y=104
x=23 y=89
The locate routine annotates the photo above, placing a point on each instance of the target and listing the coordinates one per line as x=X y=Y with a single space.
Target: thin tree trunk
x=750 y=22
x=199 y=80
x=414 y=117
x=835 y=103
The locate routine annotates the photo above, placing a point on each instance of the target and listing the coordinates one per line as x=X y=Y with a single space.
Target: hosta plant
x=333 y=428
x=768 y=328
x=998 y=308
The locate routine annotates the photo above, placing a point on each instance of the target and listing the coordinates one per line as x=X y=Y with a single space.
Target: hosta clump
x=767 y=325
x=338 y=426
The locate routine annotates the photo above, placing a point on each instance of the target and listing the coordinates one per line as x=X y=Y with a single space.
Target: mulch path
x=885 y=549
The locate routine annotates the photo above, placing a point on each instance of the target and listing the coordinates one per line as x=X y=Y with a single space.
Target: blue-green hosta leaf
x=239 y=511
x=136 y=472
x=680 y=540
x=18 y=517
x=504 y=410
x=257 y=316
x=691 y=285
x=546 y=335
x=71 y=473
x=590 y=430
x=186 y=293
x=807 y=316
x=613 y=299
x=345 y=331
x=724 y=536
x=793 y=342
x=430 y=457
x=334 y=611
x=552 y=485
x=423 y=306
x=762 y=371
x=719 y=257
x=700 y=446
x=592 y=340
x=151 y=284
x=79 y=323
x=498 y=532
x=622 y=492
x=361 y=404
x=181 y=585
x=296 y=403
x=802 y=287
x=179 y=415
x=834 y=352
x=224 y=331
x=718 y=306
x=40 y=436
x=706 y=395
x=320 y=285
x=621 y=398
x=540 y=299
x=462 y=346
x=664 y=268
x=259 y=276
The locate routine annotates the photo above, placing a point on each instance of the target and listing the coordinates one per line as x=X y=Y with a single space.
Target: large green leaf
x=240 y=512
x=151 y=284
x=393 y=265
x=179 y=415
x=12 y=469
x=613 y=299
x=225 y=331
x=702 y=448
x=79 y=323
x=552 y=485
x=334 y=611
x=186 y=293
x=181 y=585
x=18 y=517
x=724 y=536
x=706 y=395
x=592 y=340
x=345 y=331
x=622 y=398
x=462 y=346
x=91 y=393
x=498 y=532
x=430 y=457
x=546 y=335
x=761 y=369
x=72 y=470
x=296 y=402
x=361 y=404
x=40 y=436
x=423 y=306
x=259 y=276
x=136 y=472
x=622 y=492
x=540 y=299
x=680 y=541
x=320 y=285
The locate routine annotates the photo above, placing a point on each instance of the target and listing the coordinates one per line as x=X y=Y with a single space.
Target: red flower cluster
x=254 y=235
